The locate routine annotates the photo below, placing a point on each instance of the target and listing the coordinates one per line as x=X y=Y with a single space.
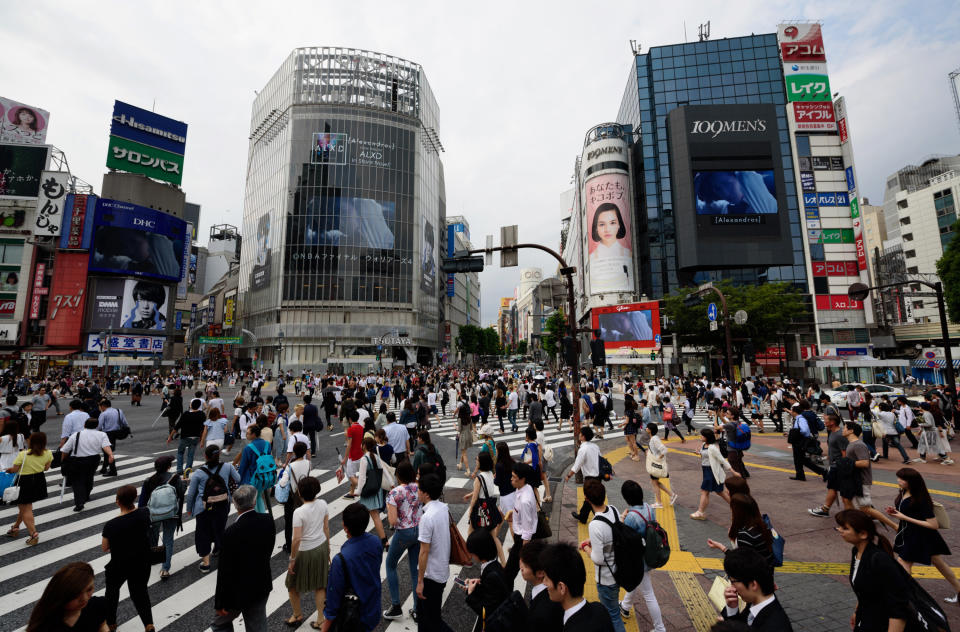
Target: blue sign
x=149 y=128
x=656 y=339
x=851 y=185
x=826 y=199
x=851 y=351
x=179 y=321
x=842 y=199
x=809 y=199
x=811 y=212
x=137 y=241
x=712 y=311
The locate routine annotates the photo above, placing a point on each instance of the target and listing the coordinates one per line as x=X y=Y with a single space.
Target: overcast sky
x=518 y=84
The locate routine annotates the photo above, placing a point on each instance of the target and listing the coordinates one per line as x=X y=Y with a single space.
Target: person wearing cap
x=164 y=526
x=211 y=521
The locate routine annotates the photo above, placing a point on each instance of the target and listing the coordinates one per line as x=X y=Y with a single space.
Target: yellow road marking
x=822 y=568
x=702 y=613
x=790 y=471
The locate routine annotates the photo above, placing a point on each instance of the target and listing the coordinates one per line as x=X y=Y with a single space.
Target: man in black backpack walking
x=208 y=499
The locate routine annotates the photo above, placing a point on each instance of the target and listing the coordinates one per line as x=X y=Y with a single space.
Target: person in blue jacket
x=357 y=566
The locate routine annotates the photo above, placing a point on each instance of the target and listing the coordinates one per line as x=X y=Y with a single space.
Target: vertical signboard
x=67 y=300
x=75 y=234
x=846 y=149
x=50 y=203
x=229 y=307
x=38 y=290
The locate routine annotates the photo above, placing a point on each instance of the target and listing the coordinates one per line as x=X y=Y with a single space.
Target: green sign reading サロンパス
x=127 y=155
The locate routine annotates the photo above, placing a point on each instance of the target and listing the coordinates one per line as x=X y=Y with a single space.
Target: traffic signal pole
x=567 y=272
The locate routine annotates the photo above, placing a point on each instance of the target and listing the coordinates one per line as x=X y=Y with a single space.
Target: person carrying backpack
x=162 y=494
x=600 y=548
x=639 y=516
x=738 y=437
x=428 y=453
x=208 y=499
x=257 y=467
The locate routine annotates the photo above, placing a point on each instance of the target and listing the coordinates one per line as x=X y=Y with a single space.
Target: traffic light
x=598 y=355
x=653 y=355
x=749 y=352
x=692 y=300
x=571 y=351
x=462 y=264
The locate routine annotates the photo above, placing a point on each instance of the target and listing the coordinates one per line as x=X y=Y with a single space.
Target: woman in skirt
x=373 y=500
x=309 y=551
x=30 y=465
x=918 y=540
x=715 y=469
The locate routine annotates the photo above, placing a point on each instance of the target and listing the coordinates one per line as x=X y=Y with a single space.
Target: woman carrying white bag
x=31 y=484
x=657 y=465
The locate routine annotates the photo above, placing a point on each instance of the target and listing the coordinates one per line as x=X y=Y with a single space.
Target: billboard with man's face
x=428 y=260
x=136 y=240
x=129 y=304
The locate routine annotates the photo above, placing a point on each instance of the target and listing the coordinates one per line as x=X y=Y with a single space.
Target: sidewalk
x=813 y=584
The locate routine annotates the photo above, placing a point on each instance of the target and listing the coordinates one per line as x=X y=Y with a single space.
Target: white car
x=838 y=397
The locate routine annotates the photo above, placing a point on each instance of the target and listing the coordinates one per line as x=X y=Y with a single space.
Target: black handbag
x=372 y=483
x=485 y=513
x=157 y=555
x=508 y=615
x=348 y=617
x=543 y=525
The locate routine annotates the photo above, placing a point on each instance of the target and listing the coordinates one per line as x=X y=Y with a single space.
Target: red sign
x=837 y=301
x=802 y=42
x=75 y=231
x=808 y=351
x=814 y=117
x=38 y=290
x=835 y=268
x=67 y=299
x=861 y=253
x=634 y=325
x=842 y=126
x=7 y=308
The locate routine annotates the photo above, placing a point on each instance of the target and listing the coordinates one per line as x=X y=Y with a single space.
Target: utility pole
x=705 y=289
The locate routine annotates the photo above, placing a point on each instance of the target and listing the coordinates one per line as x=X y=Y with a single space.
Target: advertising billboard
x=129 y=304
x=10 y=278
x=123 y=343
x=608 y=233
x=814 y=117
x=728 y=187
x=801 y=42
x=626 y=329
x=39 y=290
x=67 y=300
x=229 y=308
x=329 y=149
x=807 y=86
x=428 y=260
x=133 y=157
x=78 y=211
x=22 y=124
x=50 y=203
x=136 y=240
x=260 y=275
x=148 y=128
x=21 y=167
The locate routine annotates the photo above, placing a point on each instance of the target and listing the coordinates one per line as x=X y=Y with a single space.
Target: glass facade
x=741 y=70
x=344 y=211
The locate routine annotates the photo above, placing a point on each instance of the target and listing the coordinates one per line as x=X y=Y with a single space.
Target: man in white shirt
x=853 y=402
x=523 y=516
x=397 y=437
x=433 y=569
x=600 y=549
x=751 y=579
x=217 y=402
x=73 y=421
x=587 y=463
x=84 y=448
x=513 y=404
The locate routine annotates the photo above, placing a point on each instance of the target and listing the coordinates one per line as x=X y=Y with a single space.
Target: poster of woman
x=21 y=123
x=608 y=232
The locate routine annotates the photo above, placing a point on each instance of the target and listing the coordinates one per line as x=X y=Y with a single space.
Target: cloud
x=518 y=85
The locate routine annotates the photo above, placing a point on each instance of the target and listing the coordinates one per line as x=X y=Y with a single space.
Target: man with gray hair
x=244 y=578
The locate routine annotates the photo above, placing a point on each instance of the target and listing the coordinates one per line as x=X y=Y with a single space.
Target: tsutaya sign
x=392 y=340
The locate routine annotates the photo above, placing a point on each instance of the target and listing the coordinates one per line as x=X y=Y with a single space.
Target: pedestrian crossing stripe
x=56 y=549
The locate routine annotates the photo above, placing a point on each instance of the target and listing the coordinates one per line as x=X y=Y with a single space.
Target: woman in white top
x=309 y=551
x=484 y=488
x=715 y=470
x=11 y=442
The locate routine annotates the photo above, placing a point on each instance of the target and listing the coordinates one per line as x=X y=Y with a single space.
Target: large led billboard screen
x=135 y=240
x=20 y=169
x=629 y=326
x=729 y=193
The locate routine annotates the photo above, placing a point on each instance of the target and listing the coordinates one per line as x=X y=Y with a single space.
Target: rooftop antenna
x=705 y=31
x=634 y=47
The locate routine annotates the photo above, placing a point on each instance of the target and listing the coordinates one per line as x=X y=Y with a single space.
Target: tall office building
x=344 y=210
x=462 y=291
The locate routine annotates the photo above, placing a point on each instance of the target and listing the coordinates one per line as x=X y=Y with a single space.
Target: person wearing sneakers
x=588 y=464
x=929 y=440
x=715 y=470
x=637 y=516
x=31 y=465
x=836 y=450
x=210 y=503
x=657 y=464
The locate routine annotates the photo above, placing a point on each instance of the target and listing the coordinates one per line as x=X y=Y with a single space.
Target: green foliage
x=770 y=309
x=553 y=330
x=948 y=269
x=489 y=341
x=522 y=347
x=482 y=341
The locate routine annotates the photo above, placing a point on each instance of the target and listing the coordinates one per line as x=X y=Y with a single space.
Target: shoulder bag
x=12 y=494
x=458 y=547
x=543 y=523
x=656 y=467
x=349 y=616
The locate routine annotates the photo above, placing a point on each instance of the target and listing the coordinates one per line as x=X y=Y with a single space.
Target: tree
x=770 y=309
x=470 y=339
x=553 y=331
x=948 y=269
x=489 y=342
x=522 y=347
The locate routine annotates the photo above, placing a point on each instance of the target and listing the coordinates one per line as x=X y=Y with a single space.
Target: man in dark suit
x=565 y=576
x=542 y=614
x=751 y=579
x=485 y=595
x=244 y=578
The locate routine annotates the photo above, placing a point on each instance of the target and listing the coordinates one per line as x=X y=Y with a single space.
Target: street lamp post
x=279 y=352
x=860 y=291
x=105 y=341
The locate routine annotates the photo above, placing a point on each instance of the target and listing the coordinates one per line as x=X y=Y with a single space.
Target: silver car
x=838 y=397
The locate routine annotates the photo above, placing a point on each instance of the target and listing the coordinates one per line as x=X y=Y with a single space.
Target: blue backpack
x=742 y=437
x=265 y=475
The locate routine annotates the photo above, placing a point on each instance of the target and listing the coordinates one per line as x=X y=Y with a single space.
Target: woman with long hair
x=918 y=540
x=878 y=582
x=715 y=469
x=372 y=499
x=465 y=431
x=484 y=488
x=747 y=528
x=502 y=471
x=30 y=466
x=67 y=603
x=631 y=425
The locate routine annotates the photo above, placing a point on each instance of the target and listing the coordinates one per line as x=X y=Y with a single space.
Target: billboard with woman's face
x=608 y=233
x=22 y=124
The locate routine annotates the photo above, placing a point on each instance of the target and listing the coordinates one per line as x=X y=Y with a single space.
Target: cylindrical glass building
x=344 y=206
